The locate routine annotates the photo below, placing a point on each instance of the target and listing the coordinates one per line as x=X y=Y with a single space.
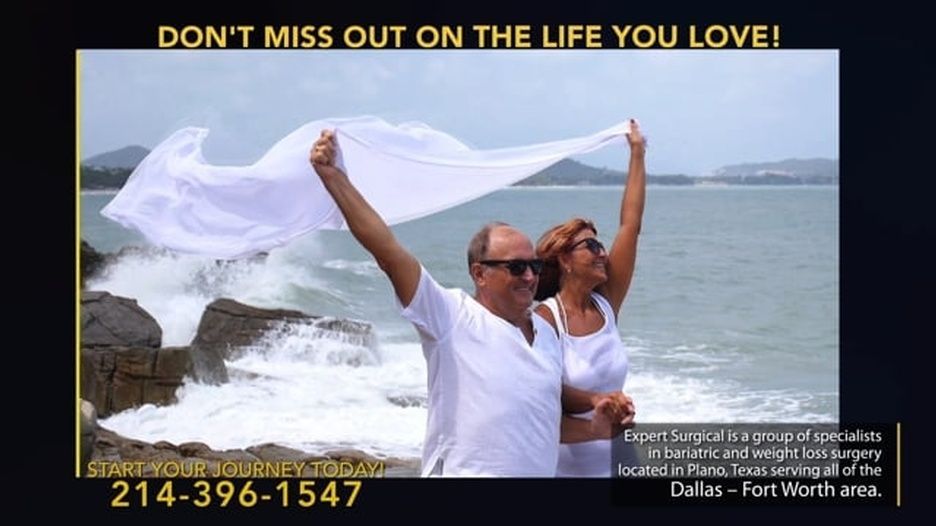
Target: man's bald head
x=481 y=241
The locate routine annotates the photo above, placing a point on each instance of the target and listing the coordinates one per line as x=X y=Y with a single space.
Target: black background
x=887 y=235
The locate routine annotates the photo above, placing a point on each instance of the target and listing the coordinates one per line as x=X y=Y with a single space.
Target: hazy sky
x=700 y=109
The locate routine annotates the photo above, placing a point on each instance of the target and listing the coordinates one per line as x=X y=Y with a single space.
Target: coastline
x=707 y=185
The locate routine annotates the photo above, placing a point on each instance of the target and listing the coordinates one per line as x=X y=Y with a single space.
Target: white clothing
x=178 y=201
x=494 y=400
x=594 y=362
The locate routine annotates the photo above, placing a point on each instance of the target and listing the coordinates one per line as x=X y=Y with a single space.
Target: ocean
x=732 y=316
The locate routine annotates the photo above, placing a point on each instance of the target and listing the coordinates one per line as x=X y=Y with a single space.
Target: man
x=494 y=369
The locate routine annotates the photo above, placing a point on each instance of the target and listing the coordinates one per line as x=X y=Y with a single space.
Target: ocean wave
x=175 y=288
x=284 y=397
x=665 y=398
x=361 y=268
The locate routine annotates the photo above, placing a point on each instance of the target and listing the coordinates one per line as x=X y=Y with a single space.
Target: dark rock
x=91 y=262
x=97 y=373
x=271 y=452
x=407 y=400
x=172 y=365
x=204 y=452
x=122 y=365
x=351 y=455
x=118 y=378
x=208 y=365
x=87 y=430
x=227 y=327
x=132 y=367
x=113 y=320
x=193 y=449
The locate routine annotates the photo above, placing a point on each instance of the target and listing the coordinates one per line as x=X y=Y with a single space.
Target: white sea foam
x=175 y=289
x=666 y=398
x=298 y=399
x=361 y=268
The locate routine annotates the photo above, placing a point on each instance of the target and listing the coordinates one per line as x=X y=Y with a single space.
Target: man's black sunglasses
x=517 y=266
x=591 y=244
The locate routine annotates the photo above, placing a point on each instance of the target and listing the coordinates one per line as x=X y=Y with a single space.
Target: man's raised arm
x=366 y=225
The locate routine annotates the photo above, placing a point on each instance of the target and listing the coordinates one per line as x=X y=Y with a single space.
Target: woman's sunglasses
x=591 y=244
x=517 y=266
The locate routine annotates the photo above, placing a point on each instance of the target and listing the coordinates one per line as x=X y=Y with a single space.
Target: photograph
x=416 y=263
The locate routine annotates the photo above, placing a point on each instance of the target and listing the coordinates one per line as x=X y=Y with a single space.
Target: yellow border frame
x=77 y=263
x=898 y=464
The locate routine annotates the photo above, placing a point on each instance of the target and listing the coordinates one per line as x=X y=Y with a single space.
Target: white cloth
x=178 y=201
x=494 y=400
x=594 y=362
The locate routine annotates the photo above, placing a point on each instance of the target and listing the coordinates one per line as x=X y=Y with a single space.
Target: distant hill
x=103 y=178
x=127 y=157
x=110 y=170
x=788 y=172
x=573 y=173
x=803 y=168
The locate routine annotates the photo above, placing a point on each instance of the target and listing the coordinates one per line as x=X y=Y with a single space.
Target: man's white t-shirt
x=494 y=399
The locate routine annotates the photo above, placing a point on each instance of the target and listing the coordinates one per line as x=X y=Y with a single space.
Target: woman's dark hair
x=553 y=242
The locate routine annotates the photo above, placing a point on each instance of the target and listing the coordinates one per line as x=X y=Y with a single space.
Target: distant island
x=789 y=172
x=109 y=171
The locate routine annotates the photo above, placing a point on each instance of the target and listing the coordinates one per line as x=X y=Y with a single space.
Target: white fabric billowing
x=179 y=201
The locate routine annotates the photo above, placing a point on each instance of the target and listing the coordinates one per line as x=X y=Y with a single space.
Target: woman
x=585 y=286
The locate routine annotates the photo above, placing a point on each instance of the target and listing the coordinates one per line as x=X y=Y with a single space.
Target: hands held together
x=614 y=412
